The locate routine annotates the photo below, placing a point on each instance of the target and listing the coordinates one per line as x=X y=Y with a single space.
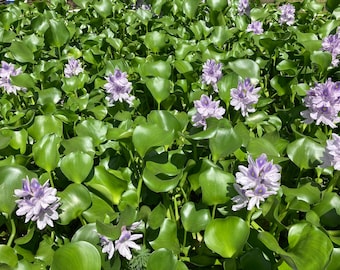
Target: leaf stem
x=13 y=232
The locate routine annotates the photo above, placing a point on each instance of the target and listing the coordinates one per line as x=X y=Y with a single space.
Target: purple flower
x=331 y=156
x=243 y=7
x=212 y=73
x=323 y=104
x=6 y=71
x=73 y=68
x=331 y=44
x=256 y=182
x=118 y=88
x=126 y=241
x=206 y=108
x=287 y=14
x=123 y=244
x=244 y=97
x=38 y=203
x=107 y=246
x=255 y=27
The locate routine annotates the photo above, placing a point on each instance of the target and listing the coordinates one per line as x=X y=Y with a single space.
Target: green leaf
x=254 y=259
x=167 y=237
x=8 y=256
x=190 y=8
x=167 y=257
x=46 y=152
x=76 y=256
x=183 y=66
x=103 y=8
x=75 y=199
x=147 y=136
x=321 y=59
x=45 y=124
x=83 y=4
x=159 y=87
x=86 y=233
x=23 y=80
x=332 y=4
x=307 y=193
x=194 y=220
x=246 y=68
x=258 y=146
x=99 y=210
x=214 y=183
x=161 y=177
x=108 y=184
x=156 y=69
x=21 y=52
x=305 y=153
x=157 y=216
x=80 y=143
x=93 y=128
x=155 y=41
x=76 y=166
x=221 y=238
x=57 y=34
x=217 y=5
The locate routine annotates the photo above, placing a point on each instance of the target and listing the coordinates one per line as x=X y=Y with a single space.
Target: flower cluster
x=255 y=183
x=6 y=71
x=212 y=73
x=331 y=44
x=118 y=87
x=323 y=103
x=331 y=156
x=123 y=244
x=73 y=68
x=243 y=7
x=244 y=97
x=287 y=14
x=206 y=108
x=255 y=27
x=38 y=202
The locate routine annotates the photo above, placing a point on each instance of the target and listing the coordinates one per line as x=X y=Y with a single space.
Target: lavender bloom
x=255 y=183
x=38 y=203
x=243 y=7
x=206 y=108
x=126 y=241
x=331 y=44
x=212 y=73
x=6 y=71
x=323 y=104
x=244 y=97
x=332 y=153
x=118 y=87
x=123 y=244
x=107 y=246
x=255 y=27
x=287 y=14
x=73 y=68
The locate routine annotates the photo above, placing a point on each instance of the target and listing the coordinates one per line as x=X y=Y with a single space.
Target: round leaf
x=246 y=68
x=76 y=166
x=159 y=88
x=227 y=236
x=76 y=256
x=57 y=34
x=167 y=257
x=194 y=220
x=167 y=237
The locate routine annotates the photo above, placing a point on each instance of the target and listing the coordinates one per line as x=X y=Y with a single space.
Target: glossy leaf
x=167 y=257
x=194 y=220
x=160 y=69
x=246 y=68
x=78 y=255
x=103 y=8
x=76 y=166
x=305 y=153
x=217 y=5
x=45 y=124
x=167 y=237
x=214 y=183
x=8 y=256
x=21 y=52
x=155 y=41
x=46 y=152
x=159 y=87
x=93 y=128
x=57 y=34
x=75 y=199
x=221 y=238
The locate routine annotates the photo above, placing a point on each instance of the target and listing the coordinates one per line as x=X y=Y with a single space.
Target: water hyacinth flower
x=212 y=73
x=73 y=68
x=243 y=7
x=6 y=71
x=331 y=44
x=206 y=108
x=256 y=182
x=287 y=14
x=37 y=202
x=123 y=244
x=331 y=156
x=244 y=97
x=255 y=27
x=118 y=88
x=323 y=104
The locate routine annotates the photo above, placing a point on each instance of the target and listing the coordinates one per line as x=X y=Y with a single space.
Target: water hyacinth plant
x=169 y=135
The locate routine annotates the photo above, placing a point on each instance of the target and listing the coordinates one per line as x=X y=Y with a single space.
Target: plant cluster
x=169 y=134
